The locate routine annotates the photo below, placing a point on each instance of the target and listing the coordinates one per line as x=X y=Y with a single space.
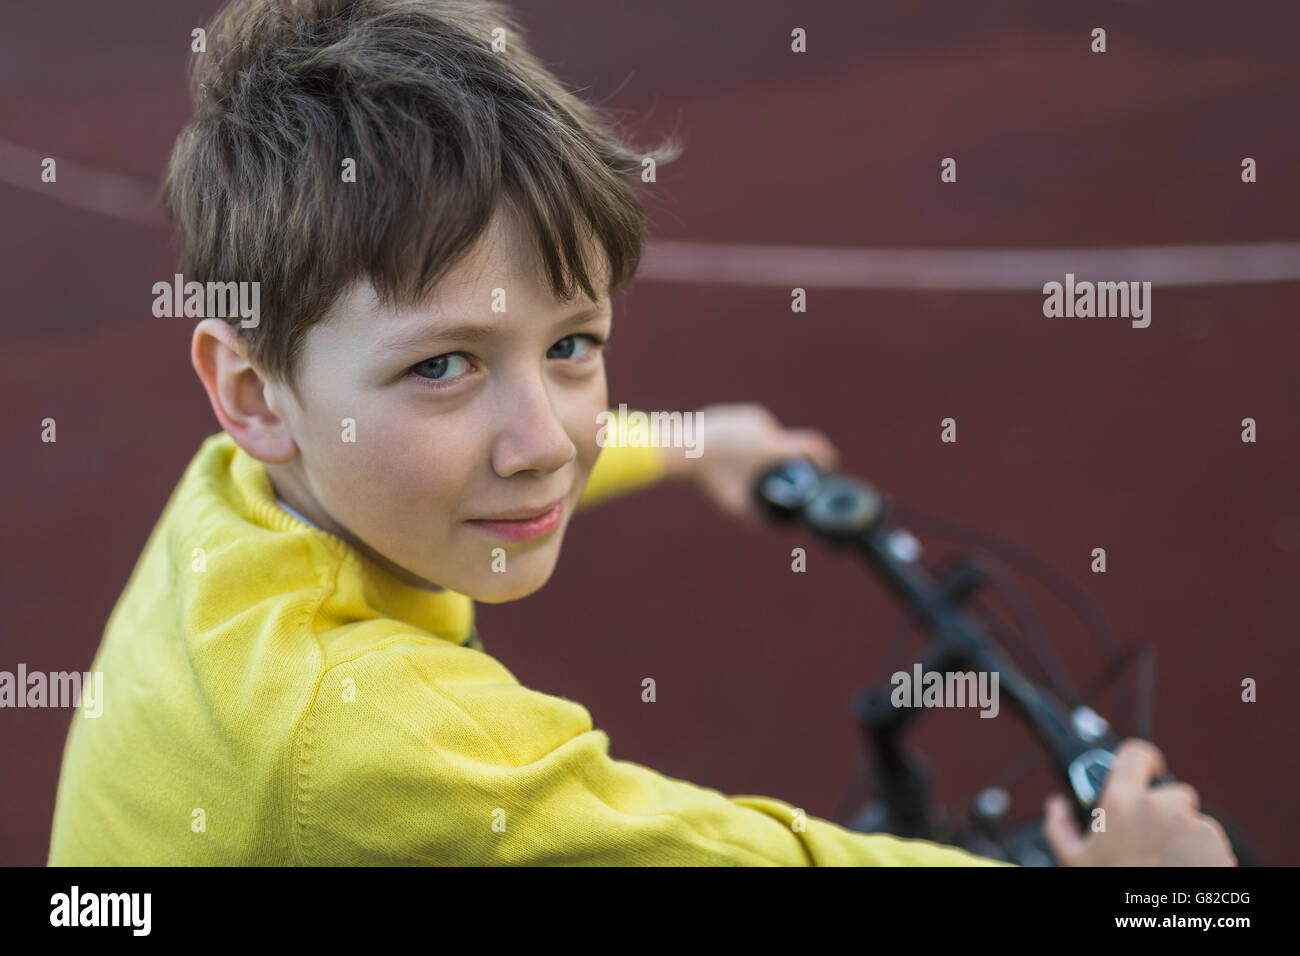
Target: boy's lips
x=522 y=514
x=522 y=524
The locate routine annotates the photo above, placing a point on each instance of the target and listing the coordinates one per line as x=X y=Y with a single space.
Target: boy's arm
x=444 y=758
x=744 y=439
x=622 y=468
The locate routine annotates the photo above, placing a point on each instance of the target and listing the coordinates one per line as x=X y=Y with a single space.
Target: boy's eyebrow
x=471 y=331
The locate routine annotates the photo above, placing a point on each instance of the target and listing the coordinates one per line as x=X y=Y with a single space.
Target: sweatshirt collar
x=444 y=613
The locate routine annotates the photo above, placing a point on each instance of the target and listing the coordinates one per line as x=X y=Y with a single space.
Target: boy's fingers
x=814 y=444
x=1136 y=764
x=1060 y=831
x=1182 y=791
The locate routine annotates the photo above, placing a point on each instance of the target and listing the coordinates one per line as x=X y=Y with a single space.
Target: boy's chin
x=506 y=591
x=521 y=579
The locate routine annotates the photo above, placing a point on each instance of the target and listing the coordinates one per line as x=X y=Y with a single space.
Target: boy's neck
x=285 y=497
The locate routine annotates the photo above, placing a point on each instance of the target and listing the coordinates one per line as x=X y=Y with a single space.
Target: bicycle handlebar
x=847 y=511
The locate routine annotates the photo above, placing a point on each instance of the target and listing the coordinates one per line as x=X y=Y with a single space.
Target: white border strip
x=725 y=263
x=79 y=186
x=841 y=268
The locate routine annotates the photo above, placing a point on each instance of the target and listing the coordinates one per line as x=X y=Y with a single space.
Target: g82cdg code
x=1223 y=897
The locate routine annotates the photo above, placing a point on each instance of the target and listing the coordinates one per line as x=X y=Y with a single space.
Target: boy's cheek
x=401 y=460
x=393 y=491
x=588 y=428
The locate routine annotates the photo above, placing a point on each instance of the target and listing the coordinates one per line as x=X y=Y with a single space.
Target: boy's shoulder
x=234 y=625
x=251 y=607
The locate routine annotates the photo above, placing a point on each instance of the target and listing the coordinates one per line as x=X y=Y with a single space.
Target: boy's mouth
x=522 y=524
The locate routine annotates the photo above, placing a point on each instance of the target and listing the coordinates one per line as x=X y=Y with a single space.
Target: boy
x=293 y=675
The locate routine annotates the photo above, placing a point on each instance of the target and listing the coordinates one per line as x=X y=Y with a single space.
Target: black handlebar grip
x=1088 y=775
x=785 y=489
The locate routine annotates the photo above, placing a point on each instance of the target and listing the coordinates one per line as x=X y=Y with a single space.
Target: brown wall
x=1073 y=434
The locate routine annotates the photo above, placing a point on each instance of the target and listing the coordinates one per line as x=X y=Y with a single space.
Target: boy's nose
x=533 y=439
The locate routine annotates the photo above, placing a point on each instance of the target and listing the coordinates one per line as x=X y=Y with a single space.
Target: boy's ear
x=237 y=392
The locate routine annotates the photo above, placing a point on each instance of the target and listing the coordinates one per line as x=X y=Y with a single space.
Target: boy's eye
x=566 y=347
x=436 y=368
x=454 y=365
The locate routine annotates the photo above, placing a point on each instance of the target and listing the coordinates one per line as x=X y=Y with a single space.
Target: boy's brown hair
x=443 y=130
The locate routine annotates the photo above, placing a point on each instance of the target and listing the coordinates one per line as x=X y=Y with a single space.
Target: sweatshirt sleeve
x=437 y=755
x=621 y=467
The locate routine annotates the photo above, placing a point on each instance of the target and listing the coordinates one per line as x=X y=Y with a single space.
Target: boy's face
x=492 y=418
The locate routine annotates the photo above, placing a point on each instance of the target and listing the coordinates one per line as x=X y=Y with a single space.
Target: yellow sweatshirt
x=271 y=697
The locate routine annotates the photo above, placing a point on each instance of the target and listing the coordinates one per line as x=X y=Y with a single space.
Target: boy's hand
x=1145 y=826
x=737 y=442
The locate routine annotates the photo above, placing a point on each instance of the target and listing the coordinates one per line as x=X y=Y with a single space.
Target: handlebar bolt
x=1090 y=725
x=992 y=802
x=903 y=546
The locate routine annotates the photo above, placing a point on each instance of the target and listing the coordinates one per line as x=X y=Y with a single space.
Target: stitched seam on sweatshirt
x=303 y=736
x=328 y=585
